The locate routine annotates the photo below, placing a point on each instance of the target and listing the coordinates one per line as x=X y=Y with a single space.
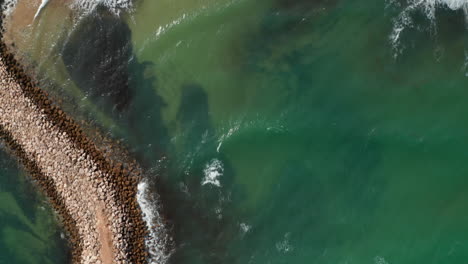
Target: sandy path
x=105 y=236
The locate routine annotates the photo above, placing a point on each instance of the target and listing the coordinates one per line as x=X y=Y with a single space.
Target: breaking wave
x=405 y=19
x=158 y=239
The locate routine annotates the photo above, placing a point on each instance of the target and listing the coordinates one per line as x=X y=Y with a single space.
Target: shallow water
x=280 y=131
x=29 y=231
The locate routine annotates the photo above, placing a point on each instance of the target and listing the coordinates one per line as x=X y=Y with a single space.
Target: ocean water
x=30 y=232
x=273 y=131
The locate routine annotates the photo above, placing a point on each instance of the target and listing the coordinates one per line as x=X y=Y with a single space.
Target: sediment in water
x=95 y=197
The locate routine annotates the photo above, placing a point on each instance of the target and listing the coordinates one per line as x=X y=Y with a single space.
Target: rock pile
x=95 y=197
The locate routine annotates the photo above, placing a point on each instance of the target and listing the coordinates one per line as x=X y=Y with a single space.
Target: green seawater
x=280 y=131
x=29 y=231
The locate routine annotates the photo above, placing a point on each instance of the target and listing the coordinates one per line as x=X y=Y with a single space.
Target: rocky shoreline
x=95 y=197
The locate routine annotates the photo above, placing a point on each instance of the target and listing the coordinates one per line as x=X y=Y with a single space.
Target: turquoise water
x=281 y=131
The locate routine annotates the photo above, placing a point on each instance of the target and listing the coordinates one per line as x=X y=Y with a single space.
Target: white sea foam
x=116 y=6
x=245 y=228
x=83 y=6
x=158 y=239
x=213 y=171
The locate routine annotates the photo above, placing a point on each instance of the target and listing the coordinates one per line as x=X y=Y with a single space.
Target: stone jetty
x=94 y=196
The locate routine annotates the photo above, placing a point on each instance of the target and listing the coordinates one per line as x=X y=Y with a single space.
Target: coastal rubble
x=95 y=197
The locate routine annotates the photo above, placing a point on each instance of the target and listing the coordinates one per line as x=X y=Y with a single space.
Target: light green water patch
x=9 y=205
x=157 y=18
x=30 y=252
x=196 y=50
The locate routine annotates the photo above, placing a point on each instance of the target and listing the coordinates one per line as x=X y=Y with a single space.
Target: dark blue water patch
x=148 y=135
x=193 y=113
x=97 y=54
x=99 y=57
x=437 y=36
x=451 y=38
x=450 y=24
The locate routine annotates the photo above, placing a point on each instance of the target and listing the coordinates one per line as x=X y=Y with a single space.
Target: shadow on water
x=99 y=57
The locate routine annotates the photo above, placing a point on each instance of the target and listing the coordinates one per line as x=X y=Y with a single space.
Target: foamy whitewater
x=116 y=6
x=213 y=171
x=83 y=6
x=158 y=239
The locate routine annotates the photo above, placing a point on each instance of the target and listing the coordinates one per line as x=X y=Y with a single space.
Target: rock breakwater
x=95 y=197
